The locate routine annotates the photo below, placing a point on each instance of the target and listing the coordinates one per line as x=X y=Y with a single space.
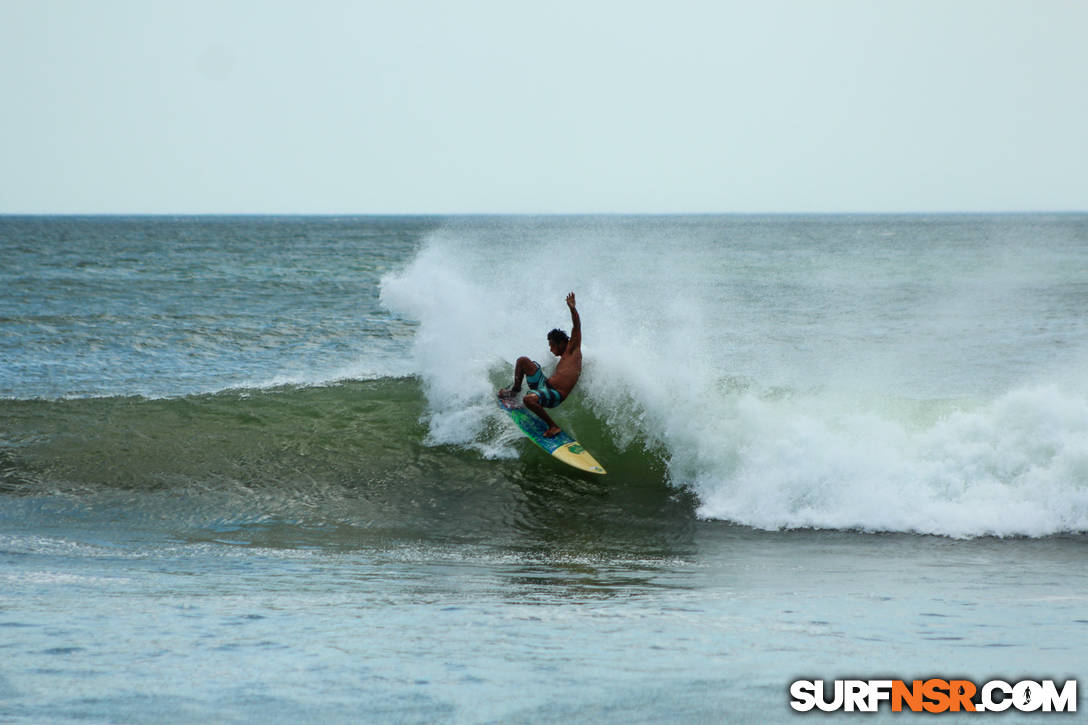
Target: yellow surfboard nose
x=573 y=454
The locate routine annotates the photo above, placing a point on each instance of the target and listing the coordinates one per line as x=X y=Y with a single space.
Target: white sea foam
x=758 y=428
x=1017 y=465
x=62 y=579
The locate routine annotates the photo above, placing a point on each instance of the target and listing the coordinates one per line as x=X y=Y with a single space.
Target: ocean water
x=251 y=468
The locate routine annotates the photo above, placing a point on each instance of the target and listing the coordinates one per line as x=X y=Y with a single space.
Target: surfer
x=553 y=391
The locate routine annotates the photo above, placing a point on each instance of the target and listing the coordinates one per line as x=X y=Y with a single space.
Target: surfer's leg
x=524 y=366
x=532 y=402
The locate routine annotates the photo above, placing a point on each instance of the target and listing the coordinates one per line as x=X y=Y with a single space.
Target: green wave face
x=348 y=461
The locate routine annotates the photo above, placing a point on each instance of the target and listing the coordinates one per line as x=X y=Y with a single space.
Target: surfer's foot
x=509 y=392
x=552 y=432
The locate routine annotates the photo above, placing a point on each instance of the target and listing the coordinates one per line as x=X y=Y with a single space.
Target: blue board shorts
x=549 y=396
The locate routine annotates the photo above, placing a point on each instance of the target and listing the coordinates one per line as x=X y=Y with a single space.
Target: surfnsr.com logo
x=934 y=695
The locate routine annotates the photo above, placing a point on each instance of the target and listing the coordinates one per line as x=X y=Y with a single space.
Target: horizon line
x=962 y=212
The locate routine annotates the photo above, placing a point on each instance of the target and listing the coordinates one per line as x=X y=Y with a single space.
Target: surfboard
x=561 y=445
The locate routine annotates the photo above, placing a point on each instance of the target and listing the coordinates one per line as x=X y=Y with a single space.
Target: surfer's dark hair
x=558 y=336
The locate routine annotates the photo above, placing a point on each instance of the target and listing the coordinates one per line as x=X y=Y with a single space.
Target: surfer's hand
x=570 y=300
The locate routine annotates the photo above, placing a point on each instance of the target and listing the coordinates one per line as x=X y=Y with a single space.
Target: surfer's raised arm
x=576 y=325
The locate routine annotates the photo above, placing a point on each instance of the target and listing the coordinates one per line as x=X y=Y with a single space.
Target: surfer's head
x=557 y=340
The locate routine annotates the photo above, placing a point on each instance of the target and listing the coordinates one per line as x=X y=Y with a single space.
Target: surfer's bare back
x=553 y=391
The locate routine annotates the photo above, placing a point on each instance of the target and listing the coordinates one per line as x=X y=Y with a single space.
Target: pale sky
x=329 y=106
